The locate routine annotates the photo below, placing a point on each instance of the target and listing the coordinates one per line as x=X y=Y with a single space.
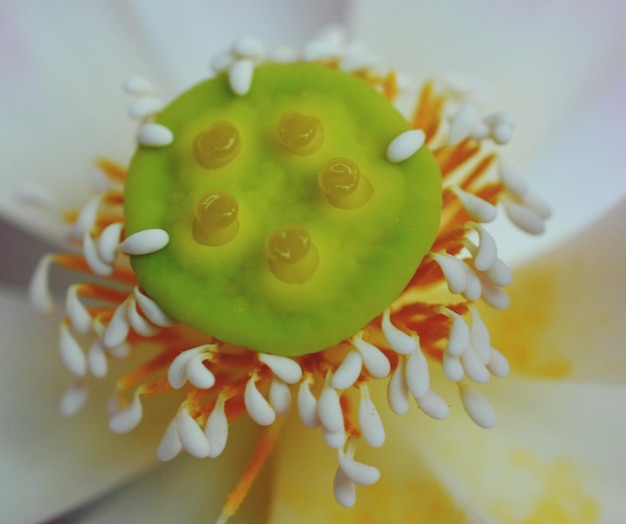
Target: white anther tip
x=154 y=135
x=478 y=407
x=145 y=242
x=128 y=418
x=240 y=76
x=138 y=85
x=405 y=145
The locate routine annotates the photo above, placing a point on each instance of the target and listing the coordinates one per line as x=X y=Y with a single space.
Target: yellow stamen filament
x=215 y=222
x=265 y=446
x=218 y=145
x=298 y=133
x=343 y=184
x=293 y=258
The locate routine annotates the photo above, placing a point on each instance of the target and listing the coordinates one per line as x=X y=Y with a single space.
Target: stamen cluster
x=111 y=317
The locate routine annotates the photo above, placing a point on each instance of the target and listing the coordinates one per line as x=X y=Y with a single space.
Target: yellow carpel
x=218 y=145
x=298 y=133
x=292 y=255
x=215 y=221
x=343 y=184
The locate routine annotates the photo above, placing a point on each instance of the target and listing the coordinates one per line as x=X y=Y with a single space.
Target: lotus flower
x=555 y=455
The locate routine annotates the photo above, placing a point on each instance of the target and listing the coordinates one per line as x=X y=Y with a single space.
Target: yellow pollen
x=298 y=133
x=218 y=145
x=292 y=256
x=215 y=221
x=343 y=184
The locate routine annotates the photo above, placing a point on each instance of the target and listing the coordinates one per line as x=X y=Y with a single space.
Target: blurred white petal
x=65 y=462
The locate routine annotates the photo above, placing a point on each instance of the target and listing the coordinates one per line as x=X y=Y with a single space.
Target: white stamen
x=283 y=54
x=138 y=85
x=452 y=367
x=122 y=351
x=479 y=335
x=357 y=61
x=198 y=374
x=487 y=253
x=357 y=472
x=284 y=368
x=154 y=135
x=95 y=263
x=493 y=295
x=222 y=61
x=478 y=407
x=72 y=354
x=86 y=218
x=512 y=182
x=433 y=405
x=374 y=360
x=321 y=49
x=118 y=328
x=128 y=418
x=462 y=124
x=473 y=289
x=417 y=374
x=329 y=409
x=97 y=361
x=74 y=398
x=537 y=204
x=257 y=406
x=369 y=420
x=140 y=325
x=344 y=489
x=459 y=337
x=480 y=131
x=170 y=445
x=280 y=396
x=145 y=242
x=524 y=217
x=177 y=372
x=77 y=313
x=152 y=310
x=453 y=272
x=498 y=365
x=405 y=145
x=479 y=209
x=401 y=342
x=502 y=134
x=145 y=107
x=348 y=371
x=307 y=406
x=334 y=439
x=39 y=288
x=216 y=428
x=500 y=117
x=240 y=76
x=500 y=274
x=249 y=47
x=191 y=436
x=108 y=242
x=398 y=390
x=473 y=366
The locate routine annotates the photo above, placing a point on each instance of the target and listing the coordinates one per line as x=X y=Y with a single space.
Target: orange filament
x=265 y=446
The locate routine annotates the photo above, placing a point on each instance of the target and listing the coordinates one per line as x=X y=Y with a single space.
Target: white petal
x=34 y=382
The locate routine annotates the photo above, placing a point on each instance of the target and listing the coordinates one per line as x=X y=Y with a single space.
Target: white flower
x=60 y=102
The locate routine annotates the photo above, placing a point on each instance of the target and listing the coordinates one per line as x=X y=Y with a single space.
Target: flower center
x=282 y=209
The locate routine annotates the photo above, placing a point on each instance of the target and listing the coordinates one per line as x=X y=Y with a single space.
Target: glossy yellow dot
x=218 y=145
x=298 y=133
x=215 y=221
x=343 y=184
x=293 y=258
